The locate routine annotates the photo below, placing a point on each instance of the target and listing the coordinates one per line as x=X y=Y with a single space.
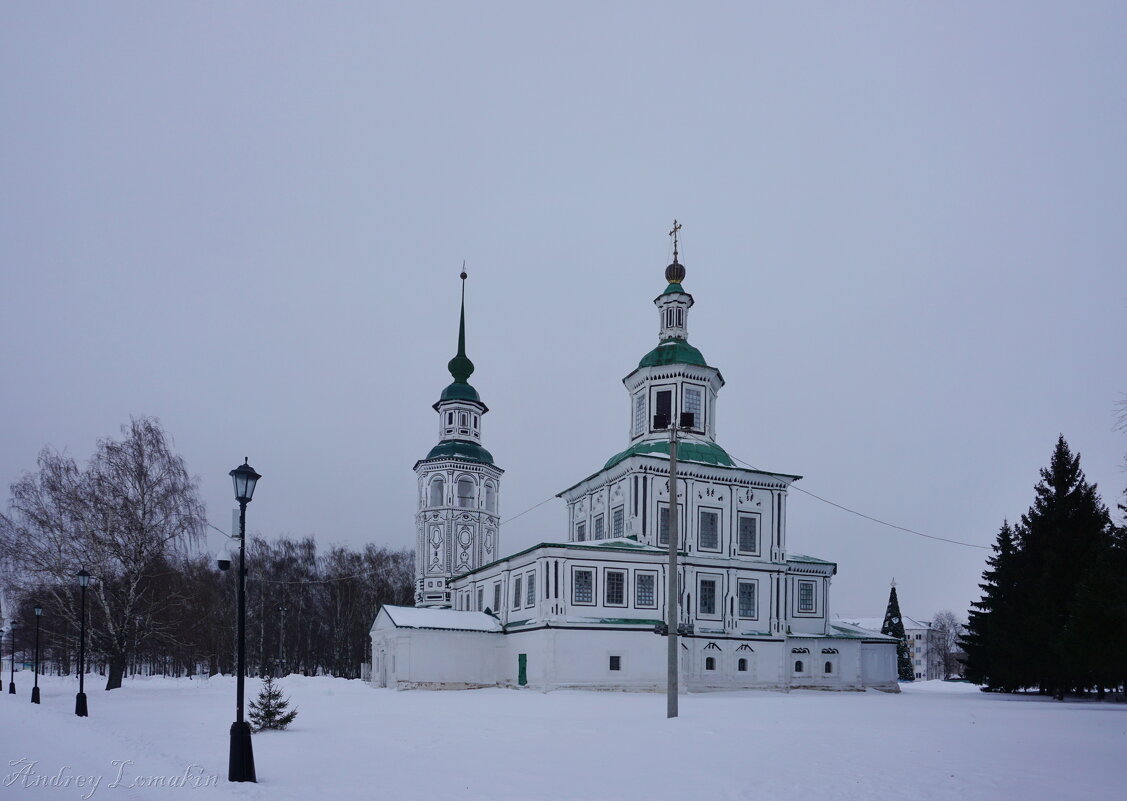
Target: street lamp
x=281 y=641
x=12 y=681
x=35 y=689
x=240 y=767
x=80 y=699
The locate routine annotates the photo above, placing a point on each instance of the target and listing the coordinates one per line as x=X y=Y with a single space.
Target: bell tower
x=459 y=487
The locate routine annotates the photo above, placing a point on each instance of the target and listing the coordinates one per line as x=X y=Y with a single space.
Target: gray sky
x=903 y=227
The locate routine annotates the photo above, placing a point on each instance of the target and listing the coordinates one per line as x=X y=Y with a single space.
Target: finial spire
x=676 y=230
x=461 y=368
x=675 y=272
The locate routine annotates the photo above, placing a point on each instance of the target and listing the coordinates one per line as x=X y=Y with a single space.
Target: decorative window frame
x=719 y=512
x=530 y=588
x=618 y=521
x=598 y=527
x=652 y=574
x=575 y=570
x=518 y=595
x=798 y=608
x=754 y=584
x=758 y=518
x=699 y=423
x=718 y=597
x=625 y=573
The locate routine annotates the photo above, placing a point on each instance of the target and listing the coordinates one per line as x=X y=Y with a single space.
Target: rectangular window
x=806 y=596
x=644 y=595
x=599 y=530
x=583 y=587
x=617 y=522
x=580 y=532
x=639 y=415
x=663 y=525
x=516 y=592
x=747 y=599
x=530 y=583
x=664 y=406
x=616 y=663
x=497 y=597
x=706 y=597
x=616 y=588
x=692 y=405
x=481 y=599
x=748 y=534
x=708 y=536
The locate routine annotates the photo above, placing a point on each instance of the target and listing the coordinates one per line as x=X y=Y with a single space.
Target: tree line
x=132 y=518
x=1053 y=612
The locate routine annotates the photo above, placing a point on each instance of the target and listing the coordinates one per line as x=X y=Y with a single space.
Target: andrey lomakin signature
x=27 y=775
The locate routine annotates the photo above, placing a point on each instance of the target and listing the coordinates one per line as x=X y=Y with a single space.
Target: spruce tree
x=894 y=627
x=988 y=642
x=1060 y=540
x=270 y=710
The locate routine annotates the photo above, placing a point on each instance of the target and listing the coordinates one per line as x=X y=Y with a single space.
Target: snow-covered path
x=933 y=741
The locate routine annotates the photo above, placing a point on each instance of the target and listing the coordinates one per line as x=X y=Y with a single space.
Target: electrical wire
x=846 y=508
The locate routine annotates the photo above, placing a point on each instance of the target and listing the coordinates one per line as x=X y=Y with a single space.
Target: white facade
x=925 y=644
x=583 y=609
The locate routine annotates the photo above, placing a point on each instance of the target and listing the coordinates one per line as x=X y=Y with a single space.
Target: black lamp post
x=12 y=681
x=80 y=699
x=282 y=642
x=240 y=767
x=35 y=689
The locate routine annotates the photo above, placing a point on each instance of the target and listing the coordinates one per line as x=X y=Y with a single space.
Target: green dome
x=673 y=351
x=459 y=391
x=456 y=449
x=701 y=452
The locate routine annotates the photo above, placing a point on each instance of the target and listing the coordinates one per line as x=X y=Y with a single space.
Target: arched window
x=710 y=663
x=465 y=492
x=829 y=667
x=437 y=491
x=798 y=666
x=490 y=496
x=449 y=418
x=741 y=665
x=463 y=419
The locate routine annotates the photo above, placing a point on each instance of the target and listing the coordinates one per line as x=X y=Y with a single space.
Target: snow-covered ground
x=933 y=741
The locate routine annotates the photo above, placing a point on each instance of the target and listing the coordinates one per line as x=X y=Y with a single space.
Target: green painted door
x=522 y=669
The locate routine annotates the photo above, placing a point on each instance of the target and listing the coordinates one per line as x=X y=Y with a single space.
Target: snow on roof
x=846 y=628
x=410 y=617
x=615 y=542
x=876 y=623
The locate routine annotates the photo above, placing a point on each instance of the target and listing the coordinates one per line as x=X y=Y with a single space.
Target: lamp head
x=38 y=610
x=83 y=578
x=245 y=479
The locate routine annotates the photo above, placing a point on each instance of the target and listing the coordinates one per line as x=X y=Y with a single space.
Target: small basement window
x=616 y=663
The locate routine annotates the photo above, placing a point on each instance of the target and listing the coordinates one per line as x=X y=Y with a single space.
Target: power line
x=846 y=508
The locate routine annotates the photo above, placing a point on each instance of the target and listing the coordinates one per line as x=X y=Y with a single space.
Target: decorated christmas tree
x=894 y=627
x=270 y=710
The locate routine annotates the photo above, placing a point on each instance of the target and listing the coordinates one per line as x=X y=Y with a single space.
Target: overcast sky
x=904 y=228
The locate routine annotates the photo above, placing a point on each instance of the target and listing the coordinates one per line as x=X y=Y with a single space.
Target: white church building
x=583 y=609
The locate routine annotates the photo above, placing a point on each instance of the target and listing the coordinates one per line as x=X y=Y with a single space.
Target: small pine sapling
x=270 y=710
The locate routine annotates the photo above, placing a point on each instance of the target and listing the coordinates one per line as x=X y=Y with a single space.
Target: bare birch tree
x=130 y=518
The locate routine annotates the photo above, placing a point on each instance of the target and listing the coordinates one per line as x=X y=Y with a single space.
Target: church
x=586 y=609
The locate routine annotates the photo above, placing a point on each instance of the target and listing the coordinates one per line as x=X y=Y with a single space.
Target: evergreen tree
x=1060 y=540
x=894 y=627
x=988 y=642
x=270 y=710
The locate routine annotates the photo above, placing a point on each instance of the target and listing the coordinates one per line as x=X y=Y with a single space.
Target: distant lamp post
x=80 y=699
x=240 y=767
x=12 y=681
x=35 y=689
x=281 y=641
